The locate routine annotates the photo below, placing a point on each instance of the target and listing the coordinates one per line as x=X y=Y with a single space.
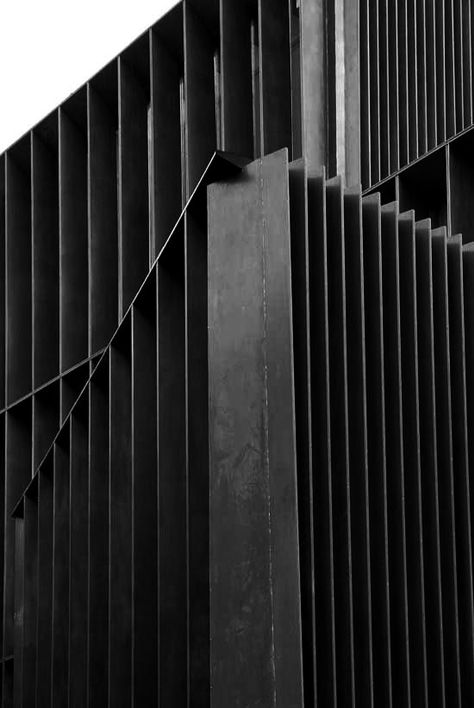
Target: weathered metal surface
x=255 y=609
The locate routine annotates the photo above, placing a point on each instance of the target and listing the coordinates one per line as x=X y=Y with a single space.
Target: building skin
x=236 y=380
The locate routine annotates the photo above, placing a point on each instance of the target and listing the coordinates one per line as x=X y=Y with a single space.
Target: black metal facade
x=237 y=366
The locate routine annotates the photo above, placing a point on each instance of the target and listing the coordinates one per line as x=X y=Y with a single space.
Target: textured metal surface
x=355 y=310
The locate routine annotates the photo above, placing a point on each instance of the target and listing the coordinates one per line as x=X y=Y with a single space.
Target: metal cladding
x=236 y=386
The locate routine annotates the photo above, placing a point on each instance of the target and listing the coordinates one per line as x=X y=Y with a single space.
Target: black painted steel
x=237 y=400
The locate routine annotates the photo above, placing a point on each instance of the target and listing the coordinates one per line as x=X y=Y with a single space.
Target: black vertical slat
x=358 y=447
x=17 y=476
x=98 y=536
x=78 y=555
x=365 y=89
x=422 y=80
x=236 y=78
x=429 y=463
x=403 y=87
x=461 y=478
x=46 y=420
x=445 y=468
x=376 y=448
x=384 y=88
x=440 y=71
x=133 y=211
x=274 y=76
x=120 y=519
x=395 y=462
x=145 y=489
x=73 y=231
x=432 y=87
x=200 y=116
x=45 y=250
x=460 y=14
x=374 y=66
x=71 y=385
x=341 y=493
x=102 y=206
x=412 y=51
x=18 y=270
x=467 y=62
x=2 y=280
x=172 y=552
x=45 y=582
x=197 y=436
x=165 y=74
x=30 y=616
x=396 y=153
x=412 y=458
x=302 y=353
x=323 y=561
x=450 y=49
x=60 y=615
x=19 y=579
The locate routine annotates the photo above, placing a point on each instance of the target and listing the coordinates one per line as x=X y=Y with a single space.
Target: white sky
x=48 y=48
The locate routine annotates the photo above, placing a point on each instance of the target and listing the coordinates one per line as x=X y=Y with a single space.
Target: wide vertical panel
x=145 y=489
x=349 y=18
x=403 y=90
x=98 y=536
x=255 y=609
x=45 y=582
x=341 y=492
x=45 y=251
x=30 y=616
x=412 y=457
x=299 y=224
x=429 y=463
x=173 y=546
x=73 y=231
x=461 y=477
x=60 y=621
x=358 y=446
x=18 y=270
x=200 y=116
x=120 y=520
x=274 y=76
x=236 y=77
x=102 y=208
x=376 y=449
x=133 y=214
x=445 y=468
x=78 y=554
x=166 y=146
